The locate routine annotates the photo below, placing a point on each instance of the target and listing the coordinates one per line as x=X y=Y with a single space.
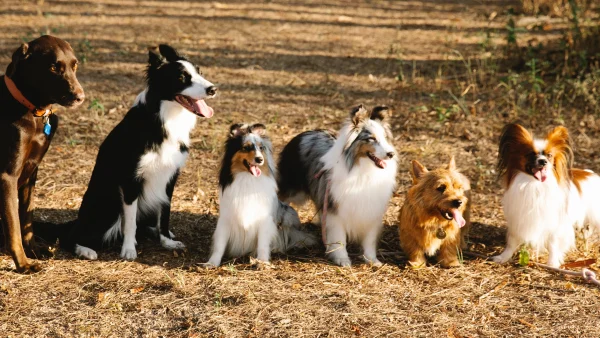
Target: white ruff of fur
x=248 y=207
x=537 y=213
x=363 y=193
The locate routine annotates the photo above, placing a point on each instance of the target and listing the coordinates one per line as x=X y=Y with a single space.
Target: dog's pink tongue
x=255 y=170
x=201 y=107
x=541 y=175
x=382 y=164
x=457 y=215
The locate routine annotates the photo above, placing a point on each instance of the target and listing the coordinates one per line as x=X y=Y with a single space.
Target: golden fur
x=421 y=220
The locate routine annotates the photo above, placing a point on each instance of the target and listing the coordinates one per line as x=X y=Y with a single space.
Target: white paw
x=342 y=261
x=129 y=253
x=171 y=234
x=209 y=265
x=499 y=259
x=170 y=244
x=374 y=262
x=85 y=253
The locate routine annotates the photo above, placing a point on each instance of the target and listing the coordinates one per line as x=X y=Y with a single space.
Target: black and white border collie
x=139 y=162
x=251 y=218
x=358 y=169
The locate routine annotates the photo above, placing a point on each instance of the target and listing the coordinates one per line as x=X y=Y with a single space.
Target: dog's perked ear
x=359 y=114
x=417 y=171
x=238 y=129
x=380 y=113
x=169 y=53
x=154 y=59
x=452 y=164
x=258 y=129
x=19 y=55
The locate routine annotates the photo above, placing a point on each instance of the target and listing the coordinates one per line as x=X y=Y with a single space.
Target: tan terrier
x=435 y=217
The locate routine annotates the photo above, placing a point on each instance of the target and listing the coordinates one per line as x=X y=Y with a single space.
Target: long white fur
x=546 y=215
x=362 y=195
x=248 y=207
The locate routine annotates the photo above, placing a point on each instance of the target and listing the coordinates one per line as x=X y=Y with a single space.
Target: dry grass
x=296 y=65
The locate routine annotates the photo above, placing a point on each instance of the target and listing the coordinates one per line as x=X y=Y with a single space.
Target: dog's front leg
x=266 y=235
x=129 y=225
x=512 y=244
x=9 y=213
x=335 y=247
x=220 y=239
x=165 y=235
x=369 y=245
x=26 y=215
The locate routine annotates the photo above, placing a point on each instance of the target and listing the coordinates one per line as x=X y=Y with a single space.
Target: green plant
x=96 y=107
x=523 y=256
x=85 y=49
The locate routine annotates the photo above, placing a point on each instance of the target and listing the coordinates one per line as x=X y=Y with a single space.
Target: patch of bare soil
x=292 y=65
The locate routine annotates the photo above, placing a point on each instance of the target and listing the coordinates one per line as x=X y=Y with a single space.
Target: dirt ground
x=292 y=65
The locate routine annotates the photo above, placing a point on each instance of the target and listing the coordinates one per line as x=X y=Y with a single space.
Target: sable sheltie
x=251 y=218
x=545 y=199
x=435 y=217
x=352 y=176
x=138 y=163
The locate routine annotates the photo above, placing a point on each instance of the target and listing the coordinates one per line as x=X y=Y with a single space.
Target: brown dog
x=435 y=217
x=42 y=72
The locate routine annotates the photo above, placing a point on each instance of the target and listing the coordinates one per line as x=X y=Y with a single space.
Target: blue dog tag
x=47 y=126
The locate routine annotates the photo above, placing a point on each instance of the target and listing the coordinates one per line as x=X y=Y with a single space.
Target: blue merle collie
x=251 y=218
x=354 y=174
x=139 y=162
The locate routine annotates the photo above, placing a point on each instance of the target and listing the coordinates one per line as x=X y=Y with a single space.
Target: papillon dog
x=545 y=199
x=251 y=218
x=350 y=179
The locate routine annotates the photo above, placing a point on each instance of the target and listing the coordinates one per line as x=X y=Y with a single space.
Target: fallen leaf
x=136 y=290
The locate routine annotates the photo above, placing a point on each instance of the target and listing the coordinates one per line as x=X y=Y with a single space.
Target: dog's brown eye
x=75 y=67
x=53 y=68
x=248 y=148
x=441 y=188
x=549 y=156
x=182 y=78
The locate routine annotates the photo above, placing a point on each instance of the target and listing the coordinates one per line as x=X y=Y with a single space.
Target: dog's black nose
x=390 y=154
x=258 y=160
x=542 y=162
x=457 y=203
x=212 y=90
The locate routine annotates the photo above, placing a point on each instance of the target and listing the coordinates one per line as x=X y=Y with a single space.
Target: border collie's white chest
x=158 y=165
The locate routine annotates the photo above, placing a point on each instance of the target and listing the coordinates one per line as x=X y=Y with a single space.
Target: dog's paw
x=85 y=253
x=170 y=244
x=29 y=268
x=209 y=265
x=500 y=259
x=374 y=261
x=171 y=234
x=129 y=254
x=261 y=264
x=344 y=262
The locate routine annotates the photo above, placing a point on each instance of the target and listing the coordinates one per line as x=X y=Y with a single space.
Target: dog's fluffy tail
x=290 y=233
x=51 y=232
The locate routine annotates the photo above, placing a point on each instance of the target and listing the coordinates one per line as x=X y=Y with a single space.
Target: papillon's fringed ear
x=154 y=59
x=19 y=55
x=515 y=143
x=169 y=53
x=381 y=113
x=258 y=129
x=238 y=129
x=359 y=114
x=417 y=171
x=559 y=142
x=452 y=164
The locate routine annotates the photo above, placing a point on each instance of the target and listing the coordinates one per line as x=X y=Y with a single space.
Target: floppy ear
x=19 y=55
x=154 y=59
x=359 y=114
x=169 y=53
x=380 y=113
x=258 y=129
x=237 y=129
x=452 y=164
x=417 y=170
